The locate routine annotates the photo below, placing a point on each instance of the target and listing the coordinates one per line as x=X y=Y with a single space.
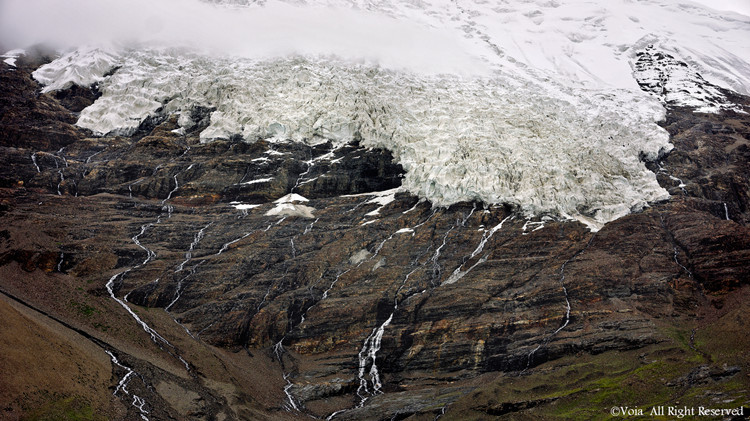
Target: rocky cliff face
x=276 y=280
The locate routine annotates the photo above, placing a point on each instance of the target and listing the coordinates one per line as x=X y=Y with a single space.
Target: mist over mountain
x=373 y=209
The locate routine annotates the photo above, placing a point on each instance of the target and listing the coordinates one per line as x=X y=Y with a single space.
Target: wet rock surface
x=366 y=304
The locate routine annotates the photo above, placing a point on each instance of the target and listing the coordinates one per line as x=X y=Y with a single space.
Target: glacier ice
x=83 y=67
x=557 y=126
x=572 y=153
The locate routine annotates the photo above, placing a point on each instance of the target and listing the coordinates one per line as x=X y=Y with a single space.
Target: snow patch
x=379 y=264
x=258 y=181
x=291 y=209
x=381 y=198
x=245 y=206
x=291 y=198
x=11 y=56
x=288 y=206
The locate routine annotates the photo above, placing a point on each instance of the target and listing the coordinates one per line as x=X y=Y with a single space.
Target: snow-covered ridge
x=676 y=84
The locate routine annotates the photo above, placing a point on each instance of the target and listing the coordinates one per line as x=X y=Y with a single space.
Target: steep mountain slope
x=306 y=237
x=372 y=301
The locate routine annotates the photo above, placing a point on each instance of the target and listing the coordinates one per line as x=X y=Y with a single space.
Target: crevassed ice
x=498 y=140
x=528 y=135
x=83 y=67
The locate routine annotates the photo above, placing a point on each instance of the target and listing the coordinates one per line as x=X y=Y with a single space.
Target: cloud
x=274 y=30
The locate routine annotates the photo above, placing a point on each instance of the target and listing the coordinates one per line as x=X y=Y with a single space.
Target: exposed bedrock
x=356 y=296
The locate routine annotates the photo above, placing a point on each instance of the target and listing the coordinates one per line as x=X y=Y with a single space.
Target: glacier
x=495 y=140
x=532 y=103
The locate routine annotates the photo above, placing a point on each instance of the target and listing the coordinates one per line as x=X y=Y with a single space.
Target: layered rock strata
x=276 y=280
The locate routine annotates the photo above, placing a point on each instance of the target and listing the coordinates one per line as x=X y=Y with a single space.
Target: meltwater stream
x=189 y=254
x=138 y=403
x=566 y=319
x=486 y=235
x=367 y=356
x=156 y=337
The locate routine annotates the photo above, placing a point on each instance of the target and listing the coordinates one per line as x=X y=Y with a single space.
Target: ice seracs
x=83 y=67
x=458 y=140
x=558 y=127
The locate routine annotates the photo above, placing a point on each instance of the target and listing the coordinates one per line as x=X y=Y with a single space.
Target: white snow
x=676 y=84
x=291 y=209
x=12 y=55
x=84 y=67
x=291 y=198
x=245 y=206
x=576 y=40
x=271 y=152
x=258 y=181
x=737 y=6
x=526 y=102
x=381 y=198
x=288 y=206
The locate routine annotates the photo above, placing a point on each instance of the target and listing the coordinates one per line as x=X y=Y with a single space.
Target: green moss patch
x=67 y=409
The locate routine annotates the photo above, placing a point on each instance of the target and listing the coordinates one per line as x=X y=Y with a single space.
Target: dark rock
x=270 y=308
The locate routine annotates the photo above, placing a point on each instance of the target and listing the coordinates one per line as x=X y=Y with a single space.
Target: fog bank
x=271 y=31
